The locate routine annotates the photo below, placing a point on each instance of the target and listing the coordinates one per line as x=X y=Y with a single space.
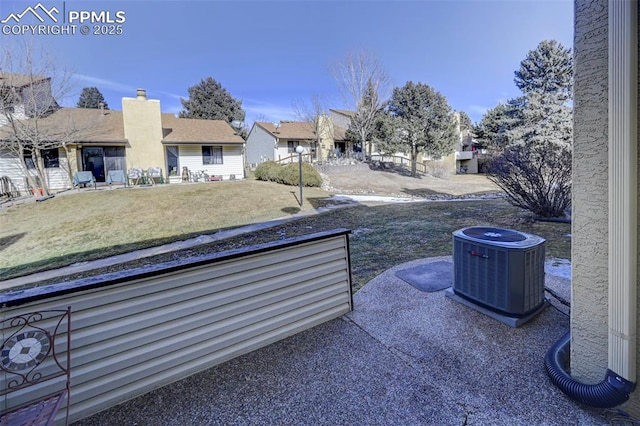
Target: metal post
x=300 y=171
x=300 y=150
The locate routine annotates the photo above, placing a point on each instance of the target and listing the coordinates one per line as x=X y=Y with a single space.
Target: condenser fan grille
x=494 y=234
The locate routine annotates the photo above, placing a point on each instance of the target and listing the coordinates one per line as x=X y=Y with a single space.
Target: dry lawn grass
x=79 y=226
x=95 y=224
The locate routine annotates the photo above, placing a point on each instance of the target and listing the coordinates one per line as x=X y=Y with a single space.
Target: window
x=28 y=159
x=291 y=146
x=211 y=155
x=51 y=158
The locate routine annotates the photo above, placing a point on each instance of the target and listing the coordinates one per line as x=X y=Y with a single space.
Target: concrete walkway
x=402 y=357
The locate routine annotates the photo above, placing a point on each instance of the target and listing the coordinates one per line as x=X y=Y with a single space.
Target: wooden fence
x=398 y=161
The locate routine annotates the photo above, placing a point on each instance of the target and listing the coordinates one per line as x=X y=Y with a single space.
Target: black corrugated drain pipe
x=612 y=391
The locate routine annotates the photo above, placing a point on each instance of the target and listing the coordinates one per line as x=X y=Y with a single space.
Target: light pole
x=300 y=150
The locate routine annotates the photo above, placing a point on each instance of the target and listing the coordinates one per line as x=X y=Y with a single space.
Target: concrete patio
x=402 y=357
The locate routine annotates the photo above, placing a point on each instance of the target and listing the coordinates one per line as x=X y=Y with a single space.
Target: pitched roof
x=339 y=133
x=19 y=80
x=197 y=131
x=290 y=129
x=80 y=125
x=344 y=112
x=94 y=126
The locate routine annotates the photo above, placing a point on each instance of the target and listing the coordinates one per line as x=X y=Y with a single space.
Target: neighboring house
x=21 y=94
x=139 y=136
x=211 y=146
x=341 y=120
x=467 y=153
x=604 y=299
x=278 y=141
x=341 y=117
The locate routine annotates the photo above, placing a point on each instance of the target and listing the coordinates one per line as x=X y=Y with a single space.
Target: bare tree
x=315 y=114
x=31 y=82
x=364 y=86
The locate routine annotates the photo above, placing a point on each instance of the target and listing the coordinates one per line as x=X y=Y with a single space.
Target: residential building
x=140 y=136
x=23 y=95
x=341 y=120
x=277 y=141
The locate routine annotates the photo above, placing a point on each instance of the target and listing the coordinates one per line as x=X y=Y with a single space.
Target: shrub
x=535 y=176
x=289 y=174
x=438 y=169
x=269 y=171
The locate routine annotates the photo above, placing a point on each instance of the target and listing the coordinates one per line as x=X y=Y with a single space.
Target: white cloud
x=107 y=84
x=478 y=109
x=267 y=111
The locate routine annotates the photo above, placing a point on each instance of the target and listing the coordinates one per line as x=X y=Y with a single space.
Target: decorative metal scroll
x=29 y=340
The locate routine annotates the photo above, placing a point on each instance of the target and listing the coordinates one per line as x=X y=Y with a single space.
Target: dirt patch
x=397 y=183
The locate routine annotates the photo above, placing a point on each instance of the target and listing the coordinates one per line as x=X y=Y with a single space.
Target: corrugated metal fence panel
x=136 y=336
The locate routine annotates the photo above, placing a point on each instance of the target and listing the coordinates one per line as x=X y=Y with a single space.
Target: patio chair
x=36 y=350
x=116 y=176
x=84 y=178
x=153 y=174
x=7 y=188
x=135 y=176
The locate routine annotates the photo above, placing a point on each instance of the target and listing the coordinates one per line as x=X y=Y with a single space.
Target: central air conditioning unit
x=501 y=270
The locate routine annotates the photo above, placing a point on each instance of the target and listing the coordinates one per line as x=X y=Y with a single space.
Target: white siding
x=134 y=336
x=10 y=166
x=58 y=177
x=232 y=161
x=282 y=150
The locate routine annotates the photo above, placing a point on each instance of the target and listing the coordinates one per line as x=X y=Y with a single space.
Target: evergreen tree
x=465 y=122
x=492 y=129
x=91 y=97
x=386 y=134
x=535 y=167
x=422 y=122
x=543 y=114
x=547 y=69
x=209 y=100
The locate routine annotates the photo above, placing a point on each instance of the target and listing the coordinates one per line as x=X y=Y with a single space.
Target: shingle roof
x=94 y=126
x=344 y=112
x=290 y=129
x=189 y=130
x=339 y=133
x=80 y=125
x=19 y=80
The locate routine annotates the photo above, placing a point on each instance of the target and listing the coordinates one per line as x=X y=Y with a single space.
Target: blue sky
x=272 y=53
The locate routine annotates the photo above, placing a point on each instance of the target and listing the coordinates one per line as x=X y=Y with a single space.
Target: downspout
x=620 y=377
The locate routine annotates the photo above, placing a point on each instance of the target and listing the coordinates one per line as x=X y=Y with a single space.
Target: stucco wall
x=143 y=129
x=589 y=313
x=589 y=321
